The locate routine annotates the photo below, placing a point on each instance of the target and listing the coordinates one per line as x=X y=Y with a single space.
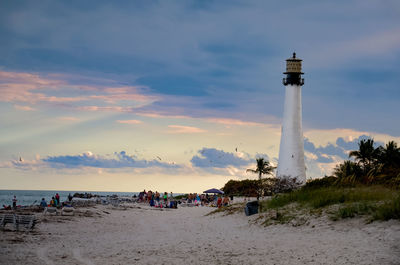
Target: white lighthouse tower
x=291 y=152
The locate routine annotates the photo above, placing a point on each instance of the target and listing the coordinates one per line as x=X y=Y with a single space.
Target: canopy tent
x=214 y=191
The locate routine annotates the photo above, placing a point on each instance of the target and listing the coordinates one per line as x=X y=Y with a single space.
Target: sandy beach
x=138 y=234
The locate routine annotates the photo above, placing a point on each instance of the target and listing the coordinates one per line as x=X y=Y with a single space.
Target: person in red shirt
x=219 y=202
x=58 y=199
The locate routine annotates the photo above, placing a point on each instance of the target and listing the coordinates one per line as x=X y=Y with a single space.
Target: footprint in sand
x=77 y=255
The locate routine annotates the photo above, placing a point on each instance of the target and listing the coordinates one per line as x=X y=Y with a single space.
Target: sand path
x=187 y=236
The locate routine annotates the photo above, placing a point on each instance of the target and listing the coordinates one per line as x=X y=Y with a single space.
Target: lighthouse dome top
x=293 y=65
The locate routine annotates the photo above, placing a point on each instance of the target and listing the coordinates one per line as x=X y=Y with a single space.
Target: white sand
x=187 y=236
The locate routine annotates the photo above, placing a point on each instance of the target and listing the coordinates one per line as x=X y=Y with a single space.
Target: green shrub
x=322 y=197
x=351 y=210
x=388 y=210
x=320 y=183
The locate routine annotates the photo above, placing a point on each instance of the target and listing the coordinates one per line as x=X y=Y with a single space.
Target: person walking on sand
x=14 y=201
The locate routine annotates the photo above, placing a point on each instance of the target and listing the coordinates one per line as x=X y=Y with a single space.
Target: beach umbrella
x=214 y=191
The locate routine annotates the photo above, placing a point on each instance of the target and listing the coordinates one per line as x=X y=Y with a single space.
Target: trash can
x=251 y=208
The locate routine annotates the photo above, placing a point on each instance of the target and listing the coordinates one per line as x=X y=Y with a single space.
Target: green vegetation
x=352 y=210
x=372 y=165
x=380 y=202
x=263 y=168
x=366 y=186
x=178 y=197
x=389 y=210
x=245 y=187
x=321 y=197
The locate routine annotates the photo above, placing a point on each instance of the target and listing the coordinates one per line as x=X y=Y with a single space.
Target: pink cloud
x=184 y=129
x=162 y=116
x=25 y=108
x=129 y=121
x=34 y=89
x=28 y=78
x=67 y=118
x=108 y=108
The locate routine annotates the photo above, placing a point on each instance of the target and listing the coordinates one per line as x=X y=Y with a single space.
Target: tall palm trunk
x=259 y=186
x=259 y=190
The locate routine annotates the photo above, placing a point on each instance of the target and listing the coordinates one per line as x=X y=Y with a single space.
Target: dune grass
x=296 y=207
x=322 y=197
x=379 y=202
x=389 y=210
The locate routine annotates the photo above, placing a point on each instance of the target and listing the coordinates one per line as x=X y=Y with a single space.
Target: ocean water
x=29 y=197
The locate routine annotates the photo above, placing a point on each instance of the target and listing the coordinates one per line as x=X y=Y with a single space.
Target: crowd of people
x=154 y=199
x=165 y=200
x=55 y=201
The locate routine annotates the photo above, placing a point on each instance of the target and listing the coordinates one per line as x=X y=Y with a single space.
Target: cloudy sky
x=184 y=95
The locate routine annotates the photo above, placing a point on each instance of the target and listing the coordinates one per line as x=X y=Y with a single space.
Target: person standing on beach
x=57 y=199
x=165 y=198
x=14 y=201
x=219 y=201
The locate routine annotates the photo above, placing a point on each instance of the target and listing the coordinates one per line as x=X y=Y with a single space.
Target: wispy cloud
x=25 y=108
x=233 y=122
x=68 y=118
x=178 y=129
x=129 y=121
x=18 y=87
x=162 y=115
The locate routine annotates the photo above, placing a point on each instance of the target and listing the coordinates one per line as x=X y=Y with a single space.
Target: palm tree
x=263 y=167
x=366 y=154
x=347 y=172
x=390 y=155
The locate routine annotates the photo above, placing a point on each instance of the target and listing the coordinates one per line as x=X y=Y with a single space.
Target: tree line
x=371 y=165
x=368 y=165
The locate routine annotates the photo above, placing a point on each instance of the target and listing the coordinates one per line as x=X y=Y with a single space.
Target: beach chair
x=27 y=221
x=68 y=211
x=114 y=203
x=7 y=218
x=50 y=210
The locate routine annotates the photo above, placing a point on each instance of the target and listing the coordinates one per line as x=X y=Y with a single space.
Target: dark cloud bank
x=341 y=149
x=118 y=160
x=205 y=158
